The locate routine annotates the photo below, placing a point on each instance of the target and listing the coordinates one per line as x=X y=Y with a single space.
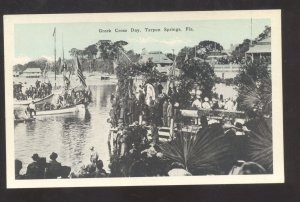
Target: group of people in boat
x=64 y=100
x=40 y=90
x=71 y=97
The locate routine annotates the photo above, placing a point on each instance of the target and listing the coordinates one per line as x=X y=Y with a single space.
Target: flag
x=80 y=74
x=54 y=32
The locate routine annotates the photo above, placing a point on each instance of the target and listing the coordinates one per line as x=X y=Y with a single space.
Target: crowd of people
x=221 y=103
x=158 y=111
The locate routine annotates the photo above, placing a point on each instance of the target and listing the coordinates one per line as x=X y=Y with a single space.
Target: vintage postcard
x=134 y=99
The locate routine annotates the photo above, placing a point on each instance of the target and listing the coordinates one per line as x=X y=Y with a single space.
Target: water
x=70 y=136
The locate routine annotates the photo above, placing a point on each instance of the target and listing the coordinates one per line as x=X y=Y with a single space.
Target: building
x=157 y=57
x=32 y=73
x=163 y=64
x=261 y=50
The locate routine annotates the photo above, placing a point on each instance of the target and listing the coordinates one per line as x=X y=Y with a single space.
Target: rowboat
x=48 y=98
x=80 y=108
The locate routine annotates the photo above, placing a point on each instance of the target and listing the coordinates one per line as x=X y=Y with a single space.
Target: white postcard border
x=277 y=105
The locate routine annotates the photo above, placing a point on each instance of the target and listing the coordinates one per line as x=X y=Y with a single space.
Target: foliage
x=91 y=51
x=134 y=57
x=254 y=86
x=39 y=63
x=204 y=152
x=239 y=52
x=260 y=148
x=198 y=73
x=171 y=56
x=19 y=68
x=74 y=52
x=206 y=47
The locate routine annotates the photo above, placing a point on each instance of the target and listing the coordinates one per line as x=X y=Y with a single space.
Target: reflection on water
x=68 y=135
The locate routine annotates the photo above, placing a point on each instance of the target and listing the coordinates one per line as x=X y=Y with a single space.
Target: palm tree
x=203 y=152
x=258 y=94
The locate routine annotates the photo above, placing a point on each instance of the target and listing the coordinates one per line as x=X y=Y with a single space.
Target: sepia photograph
x=132 y=99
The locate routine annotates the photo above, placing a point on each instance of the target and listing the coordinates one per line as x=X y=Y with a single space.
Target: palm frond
x=260 y=149
x=204 y=151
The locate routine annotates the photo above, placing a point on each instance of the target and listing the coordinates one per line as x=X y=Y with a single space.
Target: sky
x=33 y=41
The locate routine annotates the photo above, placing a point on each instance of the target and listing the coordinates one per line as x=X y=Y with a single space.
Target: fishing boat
x=48 y=98
x=80 y=108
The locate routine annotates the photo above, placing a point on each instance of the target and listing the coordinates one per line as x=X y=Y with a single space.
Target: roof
x=157 y=57
x=260 y=49
x=32 y=70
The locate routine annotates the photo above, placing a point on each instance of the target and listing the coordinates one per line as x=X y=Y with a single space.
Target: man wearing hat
x=36 y=169
x=53 y=167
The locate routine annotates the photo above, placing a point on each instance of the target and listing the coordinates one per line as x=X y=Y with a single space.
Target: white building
x=32 y=73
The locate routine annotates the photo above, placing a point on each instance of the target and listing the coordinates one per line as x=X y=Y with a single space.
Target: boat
x=24 y=120
x=68 y=110
x=48 y=98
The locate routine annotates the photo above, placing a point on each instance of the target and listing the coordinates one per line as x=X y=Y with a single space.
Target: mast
x=54 y=35
x=63 y=52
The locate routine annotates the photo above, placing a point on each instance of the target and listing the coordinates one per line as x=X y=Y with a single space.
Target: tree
x=206 y=47
x=196 y=74
x=39 y=63
x=19 y=68
x=74 y=52
x=239 y=52
x=171 y=56
x=134 y=57
x=265 y=34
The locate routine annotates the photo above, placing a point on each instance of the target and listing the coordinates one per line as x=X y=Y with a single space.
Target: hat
x=206 y=99
x=53 y=156
x=92 y=147
x=35 y=156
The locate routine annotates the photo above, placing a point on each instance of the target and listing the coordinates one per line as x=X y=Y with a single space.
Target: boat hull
x=70 y=110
